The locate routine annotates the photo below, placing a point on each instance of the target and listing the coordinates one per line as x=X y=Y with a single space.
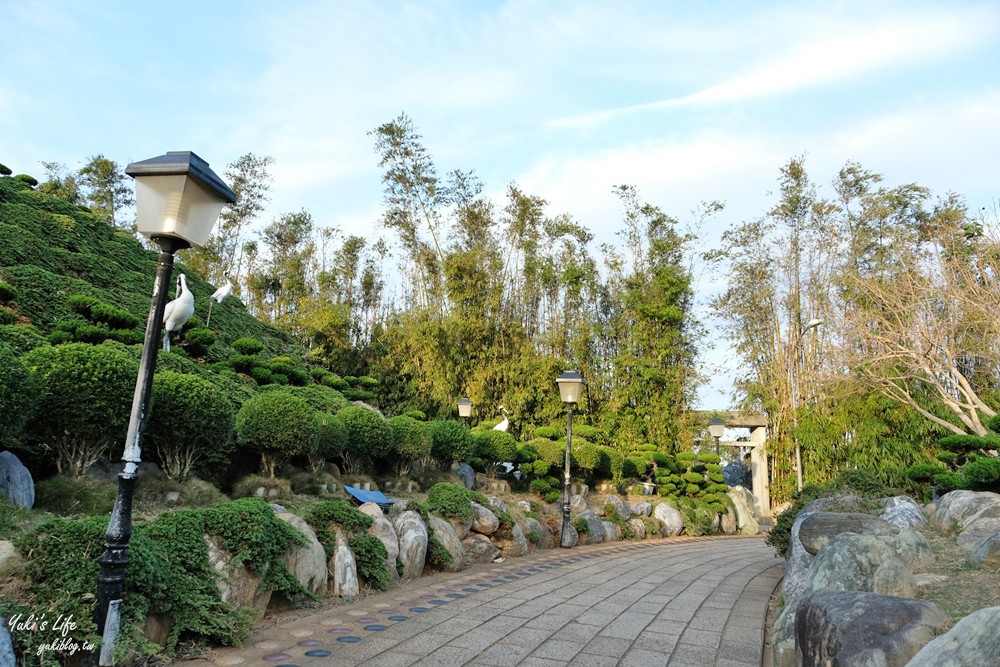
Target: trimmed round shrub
x=18 y=395
x=495 y=446
x=368 y=437
x=278 y=425
x=550 y=432
x=331 y=441
x=189 y=416
x=85 y=400
x=419 y=415
x=25 y=178
x=450 y=441
x=321 y=398
x=585 y=455
x=587 y=432
x=983 y=474
x=410 y=439
x=550 y=451
x=247 y=346
x=197 y=341
x=610 y=463
x=924 y=472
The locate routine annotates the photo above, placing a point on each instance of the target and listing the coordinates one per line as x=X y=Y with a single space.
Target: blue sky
x=688 y=101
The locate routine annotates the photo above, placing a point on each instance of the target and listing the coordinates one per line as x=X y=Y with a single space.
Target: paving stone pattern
x=679 y=602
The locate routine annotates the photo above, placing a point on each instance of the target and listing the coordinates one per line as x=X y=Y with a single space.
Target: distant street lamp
x=716 y=427
x=178 y=199
x=793 y=370
x=570 y=388
x=464 y=408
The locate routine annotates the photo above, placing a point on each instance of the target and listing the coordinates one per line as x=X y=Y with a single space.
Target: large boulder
x=497 y=503
x=851 y=562
x=6 y=645
x=533 y=525
x=412 y=543
x=671 y=519
x=446 y=535
x=467 y=475
x=818 y=528
x=727 y=521
x=903 y=511
x=742 y=499
x=238 y=585
x=477 y=549
x=484 y=521
x=578 y=504
x=978 y=532
x=621 y=507
x=973 y=642
x=306 y=563
x=641 y=509
x=737 y=474
x=344 y=569
x=911 y=547
x=595 y=528
x=15 y=481
x=638 y=527
x=386 y=534
x=612 y=533
x=511 y=542
x=957 y=509
x=848 y=628
x=987 y=555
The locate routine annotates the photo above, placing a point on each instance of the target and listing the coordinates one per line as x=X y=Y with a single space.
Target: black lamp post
x=178 y=199
x=716 y=427
x=570 y=387
x=464 y=408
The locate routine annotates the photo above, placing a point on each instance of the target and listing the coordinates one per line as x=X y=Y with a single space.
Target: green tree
x=369 y=438
x=61 y=183
x=108 y=191
x=84 y=402
x=278 y=425
x=189 y=416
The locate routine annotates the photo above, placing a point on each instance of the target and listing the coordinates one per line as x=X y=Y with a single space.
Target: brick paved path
x=679 y=602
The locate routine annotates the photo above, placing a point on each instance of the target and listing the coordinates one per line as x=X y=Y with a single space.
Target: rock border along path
x=678 y=602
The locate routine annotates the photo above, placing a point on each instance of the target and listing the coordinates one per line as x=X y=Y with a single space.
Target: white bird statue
x=177 y=312
x=218 y=296
x=505 y=424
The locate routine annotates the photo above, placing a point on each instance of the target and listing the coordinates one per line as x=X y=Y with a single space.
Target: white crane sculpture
x=218 y=296
x=177 y=312
x=505 y=424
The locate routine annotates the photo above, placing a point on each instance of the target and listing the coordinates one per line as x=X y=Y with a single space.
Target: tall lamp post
x=793 y=369
x=570 y=387
x=716 y=427
x=178 y=199
x=464 y=408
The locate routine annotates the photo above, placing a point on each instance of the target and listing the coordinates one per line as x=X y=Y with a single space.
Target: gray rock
x=6 y=645
x=386 y=534
x=641 y=509
x=911 y=547
x=978 y=532
x=957 y=509
x=847 y=628
x=6 y=552
x=973 y=642
x=577 y=504
x=569 y=537
x=987 y=555
x=446 y=535
x=797 y=562
x=671 y=519
x=638 y=527
x=497 y=503
x=892 y=577
x=478 y=549
x=412 y=543
x=819 y=528
x=742 y=499
x=512 y=543
x=238 y=585
x=484 y=521
x=15 y=481
x=622 y=507
x=848 y=563
x=737 y=474
x=468 y=476
x=612 y=533
x=344 y=569
x=595 y=528
x=306 y=563
x=544 y=536
x=524 y=505
x=727 y=521
x=903 y=511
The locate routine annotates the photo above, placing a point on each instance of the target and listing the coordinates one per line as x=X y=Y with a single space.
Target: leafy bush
x=18 y=396
x=368 y=437
x=278 y=425
x=950 y=481
x=67 y=496
x=197 y=342
x=247 y=346
x=330 y=442
x=983 y=474
x=371 y=554
x=321 y=398
x=410 y=439
x=324 y=515
x=450 y=441
x=581 y=525
x=84 y=402
x=453 y=500
x=923 y=472
x=552 y=496
x=585 y=455
x=25 y=178
x=550 y=432
x=188 y=417
x=438 y=557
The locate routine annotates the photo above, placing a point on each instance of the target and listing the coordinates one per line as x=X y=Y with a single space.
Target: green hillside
x=51 y=250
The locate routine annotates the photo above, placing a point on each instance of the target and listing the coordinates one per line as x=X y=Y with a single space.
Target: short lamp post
x=716 y=427
x=570 y=388
x=464 y=408
x=178 y=199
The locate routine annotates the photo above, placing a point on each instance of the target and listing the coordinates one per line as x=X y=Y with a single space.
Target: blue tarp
x=376 y=497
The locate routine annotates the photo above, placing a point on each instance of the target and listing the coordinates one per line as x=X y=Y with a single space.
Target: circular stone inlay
x=367 y=619
x=486 y=585
x=389 y=611
x=419 y=610
x=398 y=618
x=349 y=640
x=310 y=642
x=338 y=631
x=470 y=590
x=455 y=595
x=318 y=653
x=375 y=628
x=437 y=602
x=276 y=657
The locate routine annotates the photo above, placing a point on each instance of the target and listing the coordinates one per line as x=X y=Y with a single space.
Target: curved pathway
x=679 y=602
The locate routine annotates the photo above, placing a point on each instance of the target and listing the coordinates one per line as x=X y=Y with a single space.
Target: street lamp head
x=716 y=427
x=814 y=322
x=177 y=195
x=464 y=407
x=570 y=386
